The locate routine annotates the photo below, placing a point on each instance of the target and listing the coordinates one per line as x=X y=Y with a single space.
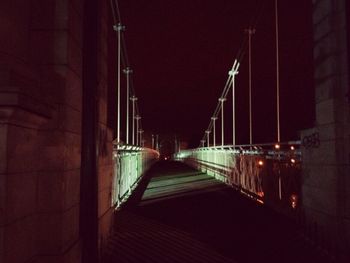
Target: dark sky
x=181 y=52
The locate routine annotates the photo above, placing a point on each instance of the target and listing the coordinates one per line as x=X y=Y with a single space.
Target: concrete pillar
x=41 y=128
x=326 y=180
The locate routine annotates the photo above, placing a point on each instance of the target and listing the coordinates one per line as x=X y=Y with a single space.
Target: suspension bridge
x=216 y=203
x=85 y=178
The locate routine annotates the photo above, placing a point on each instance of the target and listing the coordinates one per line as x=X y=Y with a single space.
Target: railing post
x=118 y=28
x=207 y=132
x=133 y=99
x=250 y=32
x=222 y=121
x=277 y=75
x=214 y=134
x=127 y=71
x=233 y=74
x=138 y=118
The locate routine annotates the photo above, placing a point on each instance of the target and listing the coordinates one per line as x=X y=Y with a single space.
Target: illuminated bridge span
x=82 y=182
x=180 y=214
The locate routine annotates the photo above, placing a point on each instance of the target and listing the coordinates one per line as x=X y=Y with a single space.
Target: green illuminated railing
x=268 y=173
x=130 y=164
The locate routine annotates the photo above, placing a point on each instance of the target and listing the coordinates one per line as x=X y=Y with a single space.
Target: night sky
x=181 y=52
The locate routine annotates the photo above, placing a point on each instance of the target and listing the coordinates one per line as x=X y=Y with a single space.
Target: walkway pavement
x=181 y=215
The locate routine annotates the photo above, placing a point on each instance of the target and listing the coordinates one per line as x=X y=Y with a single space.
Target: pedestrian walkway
x=181 y=215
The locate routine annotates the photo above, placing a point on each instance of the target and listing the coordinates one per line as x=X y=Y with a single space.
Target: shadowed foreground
x=181 y=215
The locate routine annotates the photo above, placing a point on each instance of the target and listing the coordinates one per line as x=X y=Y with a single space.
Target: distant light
x=261 y=194
x=294 y=200
x=292 y=148
x=277 y=146
x=292 y=160
x=165 y=158
x=261 y=163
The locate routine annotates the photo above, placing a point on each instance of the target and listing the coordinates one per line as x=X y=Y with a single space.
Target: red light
x=294 y=200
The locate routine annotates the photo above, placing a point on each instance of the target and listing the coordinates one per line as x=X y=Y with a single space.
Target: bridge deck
x=182 y=215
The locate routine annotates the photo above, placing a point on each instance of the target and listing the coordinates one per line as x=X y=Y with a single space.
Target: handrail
x=268 y=173
x=131 y=163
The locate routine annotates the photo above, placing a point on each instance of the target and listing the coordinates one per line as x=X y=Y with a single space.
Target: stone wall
x=107 y=58
x=41 y=130
x=326 y=155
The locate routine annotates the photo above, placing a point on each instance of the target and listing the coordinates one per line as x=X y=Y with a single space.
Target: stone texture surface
x=41 y=129
x=326 y=167
x=20 y=240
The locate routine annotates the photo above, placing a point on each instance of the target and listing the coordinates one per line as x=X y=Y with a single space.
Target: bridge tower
x=326 y=151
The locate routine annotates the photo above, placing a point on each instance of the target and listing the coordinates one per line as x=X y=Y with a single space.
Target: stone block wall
x=326 y=180
x=41 y=130
x=106 y=46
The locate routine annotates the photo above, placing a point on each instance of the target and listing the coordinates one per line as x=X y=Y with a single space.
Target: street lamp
x=118 y=28
x=222 y=120
x=233 y=73
x=214 y=135
x=207 y=132
x=133 y=99
x=127 y=71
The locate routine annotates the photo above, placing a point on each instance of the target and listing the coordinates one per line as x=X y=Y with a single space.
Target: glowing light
x=292 y=148
x=292 y=160
x=294 y=200
x=277 y=146
x=261 y=194
x=261 y=163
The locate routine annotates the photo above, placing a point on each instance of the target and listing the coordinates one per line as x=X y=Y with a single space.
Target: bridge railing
x=130 y=164
x=268 y=173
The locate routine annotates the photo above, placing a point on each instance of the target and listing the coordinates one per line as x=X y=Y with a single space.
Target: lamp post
x=127 y=71
x=250 y=32
x=214 y=134
x=207 y=132
x=118 y=28
x=233 y=73
x=202 y=143
x=137 y=118
x=133 y=99
x=222 y=120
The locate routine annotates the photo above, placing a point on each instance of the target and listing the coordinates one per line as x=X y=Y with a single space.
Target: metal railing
x=268 y=173
x=130 y=164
